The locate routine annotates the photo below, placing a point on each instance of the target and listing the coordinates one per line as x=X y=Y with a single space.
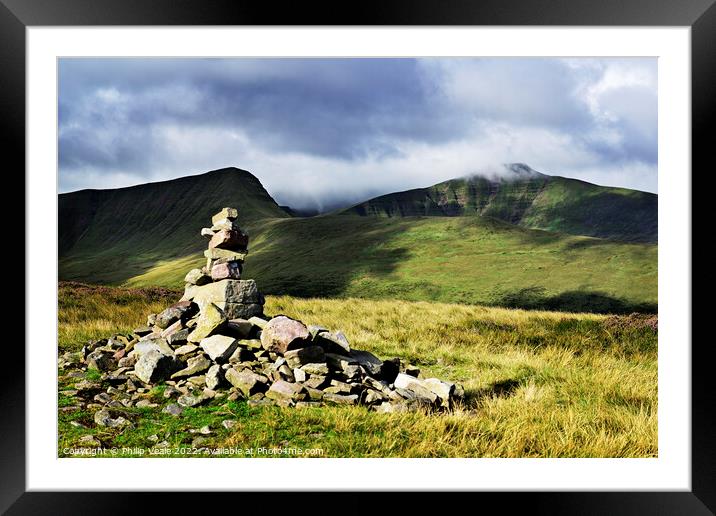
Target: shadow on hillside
x=536 y=298
x=319 y=258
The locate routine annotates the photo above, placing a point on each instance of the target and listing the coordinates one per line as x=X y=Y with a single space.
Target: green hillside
x=530 y=199
x=149 y=235
x=108 y=236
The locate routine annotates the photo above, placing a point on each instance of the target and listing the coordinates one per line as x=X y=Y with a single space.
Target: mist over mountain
x=525 y=197
x=322 y=131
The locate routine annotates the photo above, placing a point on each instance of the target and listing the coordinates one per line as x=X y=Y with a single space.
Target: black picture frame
x=700 y=15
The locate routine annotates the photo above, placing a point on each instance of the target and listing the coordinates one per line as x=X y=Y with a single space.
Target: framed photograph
x=412 y=248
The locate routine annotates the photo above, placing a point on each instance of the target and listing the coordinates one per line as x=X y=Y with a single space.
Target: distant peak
x=228 y=169
x=522 y=169
x=506 y=172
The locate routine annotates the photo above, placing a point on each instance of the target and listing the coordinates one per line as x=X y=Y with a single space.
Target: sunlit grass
x=538 y=384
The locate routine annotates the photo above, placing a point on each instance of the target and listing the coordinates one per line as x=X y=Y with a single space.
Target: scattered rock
x=339 y=399
x=372 y=397
x=308 y=404
x=128 y=362
x=187 y=400
x=211 y=319
x=303 y=356
x=241 y=310
x=443 y=390
x=219 y=347
x=104 y=417
x=178 y=338
x=241 y=328
x=173 y=409
x=154 y=366
x=101 y=359
x=86 y=386
x=214 y=377
x=316 y=381
x=338 y=387
x=368 y=361
x=194 y=365
x=185 y=350
x=333 y=342
x=197 y=381
x=171 y=329
x=145 y=404
x=339 y=362
x=412 y=371
x=181 y=310
x=214 y=256
x=228 y=291
x=414 y=385
x=247 y=381
x=283 y=390
x=315 y=369
x=260 y=403
x=143 y=330
x=258 y=321
x=283 y=334
x=153 y=344
x=199 y=442
x=171 y=392
x=315 y=330
x=299 y=375
x=390 y=407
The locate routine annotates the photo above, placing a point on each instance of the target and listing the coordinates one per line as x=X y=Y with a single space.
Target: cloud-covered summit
x=317 y=131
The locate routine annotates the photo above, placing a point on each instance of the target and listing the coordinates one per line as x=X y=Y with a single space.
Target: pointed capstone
x=226 y=213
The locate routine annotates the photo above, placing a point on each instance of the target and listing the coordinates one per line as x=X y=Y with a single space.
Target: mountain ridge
x=529 y=199
x=201 y=196
x=149 y=235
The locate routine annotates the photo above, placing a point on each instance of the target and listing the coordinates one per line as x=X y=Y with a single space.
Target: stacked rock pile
x=217 y=342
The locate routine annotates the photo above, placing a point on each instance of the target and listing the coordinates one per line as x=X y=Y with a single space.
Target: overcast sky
x=317 y=131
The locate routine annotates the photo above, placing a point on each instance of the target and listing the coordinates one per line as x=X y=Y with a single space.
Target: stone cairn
x=216 y=338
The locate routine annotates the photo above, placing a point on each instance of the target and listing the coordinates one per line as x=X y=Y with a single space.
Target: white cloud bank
x=317 y=134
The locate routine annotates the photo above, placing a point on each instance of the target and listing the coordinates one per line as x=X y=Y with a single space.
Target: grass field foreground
x=538 y=384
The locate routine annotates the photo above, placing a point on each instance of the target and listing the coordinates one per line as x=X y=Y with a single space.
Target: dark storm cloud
x=336 y=108
x=352 y=125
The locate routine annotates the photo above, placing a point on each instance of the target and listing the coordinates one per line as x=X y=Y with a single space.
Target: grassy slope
x=465 y=260
x=148 y=235
x=112 y=235
x=541 y=202
x=539 y=384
